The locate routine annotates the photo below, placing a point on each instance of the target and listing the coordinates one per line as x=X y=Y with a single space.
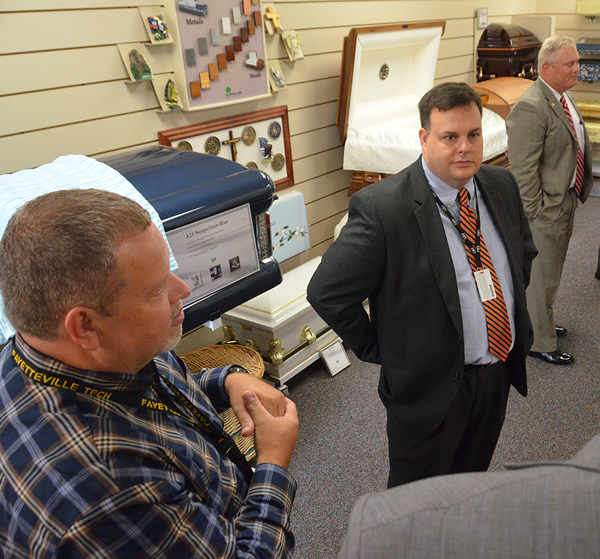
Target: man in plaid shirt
x=109 y=447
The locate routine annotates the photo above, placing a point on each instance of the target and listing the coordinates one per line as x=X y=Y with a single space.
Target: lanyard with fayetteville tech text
x=220 y=439
x=475 y=249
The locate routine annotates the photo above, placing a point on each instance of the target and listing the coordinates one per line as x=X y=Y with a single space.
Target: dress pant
x=463 y=440
x=551 y=237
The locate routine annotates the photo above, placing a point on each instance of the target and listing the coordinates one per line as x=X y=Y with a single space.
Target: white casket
x=282 y=326
x=385 y=72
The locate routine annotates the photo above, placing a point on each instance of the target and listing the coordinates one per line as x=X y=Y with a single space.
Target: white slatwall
x=63 y=84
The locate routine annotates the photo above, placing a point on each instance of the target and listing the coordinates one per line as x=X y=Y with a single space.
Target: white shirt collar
x=556 y=93
x=445 y=192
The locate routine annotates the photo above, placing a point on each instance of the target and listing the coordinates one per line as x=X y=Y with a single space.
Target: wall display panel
x=219 y=52
x=259 y=140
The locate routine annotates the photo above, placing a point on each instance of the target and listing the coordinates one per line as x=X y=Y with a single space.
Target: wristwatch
x=236 y=369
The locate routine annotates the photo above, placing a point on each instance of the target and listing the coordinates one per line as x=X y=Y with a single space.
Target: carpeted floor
x=342 y=450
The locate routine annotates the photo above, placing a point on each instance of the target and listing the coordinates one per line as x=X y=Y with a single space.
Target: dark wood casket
x=507 y=50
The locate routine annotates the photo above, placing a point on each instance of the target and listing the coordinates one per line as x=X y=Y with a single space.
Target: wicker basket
x=226 y=354
x=219 y=356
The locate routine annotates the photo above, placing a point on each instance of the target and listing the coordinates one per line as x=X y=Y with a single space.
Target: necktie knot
x=463 y=196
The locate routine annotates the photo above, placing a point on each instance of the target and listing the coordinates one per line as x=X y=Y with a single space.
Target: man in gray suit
x=443 y=381
x=550 y=155
x=544 y=509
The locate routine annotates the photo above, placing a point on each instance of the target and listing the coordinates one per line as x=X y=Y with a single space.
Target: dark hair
x=446 y=96
x=59 y=251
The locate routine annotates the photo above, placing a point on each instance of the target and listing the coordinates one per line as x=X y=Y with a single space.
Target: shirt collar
x=113 y=381
x=445 y=192
x=556 y=93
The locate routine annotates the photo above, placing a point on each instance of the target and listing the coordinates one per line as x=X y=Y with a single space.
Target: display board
x=219 y=52
x=260 y=140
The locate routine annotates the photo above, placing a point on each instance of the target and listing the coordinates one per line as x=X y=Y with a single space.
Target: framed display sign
x=215 y=252
x=219 y=51
x=260 y=140
x=335 y=358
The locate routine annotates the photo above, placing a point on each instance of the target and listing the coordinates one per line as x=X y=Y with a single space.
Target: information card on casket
x=215 y=252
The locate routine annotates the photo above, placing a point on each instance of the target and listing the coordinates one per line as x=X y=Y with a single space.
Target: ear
x=546 y=66
x=423 y=138
x=82 y=325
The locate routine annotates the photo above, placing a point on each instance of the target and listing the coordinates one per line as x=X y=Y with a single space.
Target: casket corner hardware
x=230 y=337
x=276 y=352
x=308 y=336
x=252 y=344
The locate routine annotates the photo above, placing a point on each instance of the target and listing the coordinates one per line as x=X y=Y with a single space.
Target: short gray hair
x=59 y=252
x=551 y=45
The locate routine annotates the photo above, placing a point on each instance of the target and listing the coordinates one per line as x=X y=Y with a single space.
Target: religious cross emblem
x=232 y=144
x=273 y=17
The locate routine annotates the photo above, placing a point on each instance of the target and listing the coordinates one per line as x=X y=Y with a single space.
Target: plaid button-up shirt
x=82 y=476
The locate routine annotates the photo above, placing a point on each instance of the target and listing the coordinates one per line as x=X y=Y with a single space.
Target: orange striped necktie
x=579 y=170
x=496 y=314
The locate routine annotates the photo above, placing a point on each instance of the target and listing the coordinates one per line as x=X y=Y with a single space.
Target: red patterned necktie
x=496 y=314
x=579 y=170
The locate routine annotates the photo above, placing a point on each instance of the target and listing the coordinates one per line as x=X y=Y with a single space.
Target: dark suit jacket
x=545 y=509
x=393 y=251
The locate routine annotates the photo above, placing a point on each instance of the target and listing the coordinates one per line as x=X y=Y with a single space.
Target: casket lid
x=500 y=94
x=369 y=93
x=506 y=36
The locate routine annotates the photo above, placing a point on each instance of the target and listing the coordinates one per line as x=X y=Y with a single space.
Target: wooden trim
x=360 y=179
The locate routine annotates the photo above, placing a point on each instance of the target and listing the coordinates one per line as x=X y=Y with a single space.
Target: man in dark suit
x=551 y=158
x=539 y=509
x=443 y=381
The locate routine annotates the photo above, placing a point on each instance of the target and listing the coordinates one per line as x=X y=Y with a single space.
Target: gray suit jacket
x=542 y=149
x=393 y=250
x=539 y=510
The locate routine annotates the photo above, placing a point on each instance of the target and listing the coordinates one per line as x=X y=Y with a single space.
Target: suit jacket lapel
x=496 y=209
x=556 y=106
x=432 y=231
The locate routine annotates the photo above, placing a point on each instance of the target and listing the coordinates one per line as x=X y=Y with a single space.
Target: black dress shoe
x=556 y=357
x=560 y=331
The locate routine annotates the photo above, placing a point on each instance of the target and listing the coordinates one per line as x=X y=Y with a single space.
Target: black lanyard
x=475 y=249
x=219 y=438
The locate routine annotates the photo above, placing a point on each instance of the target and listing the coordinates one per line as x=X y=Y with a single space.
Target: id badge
x=485 y=285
